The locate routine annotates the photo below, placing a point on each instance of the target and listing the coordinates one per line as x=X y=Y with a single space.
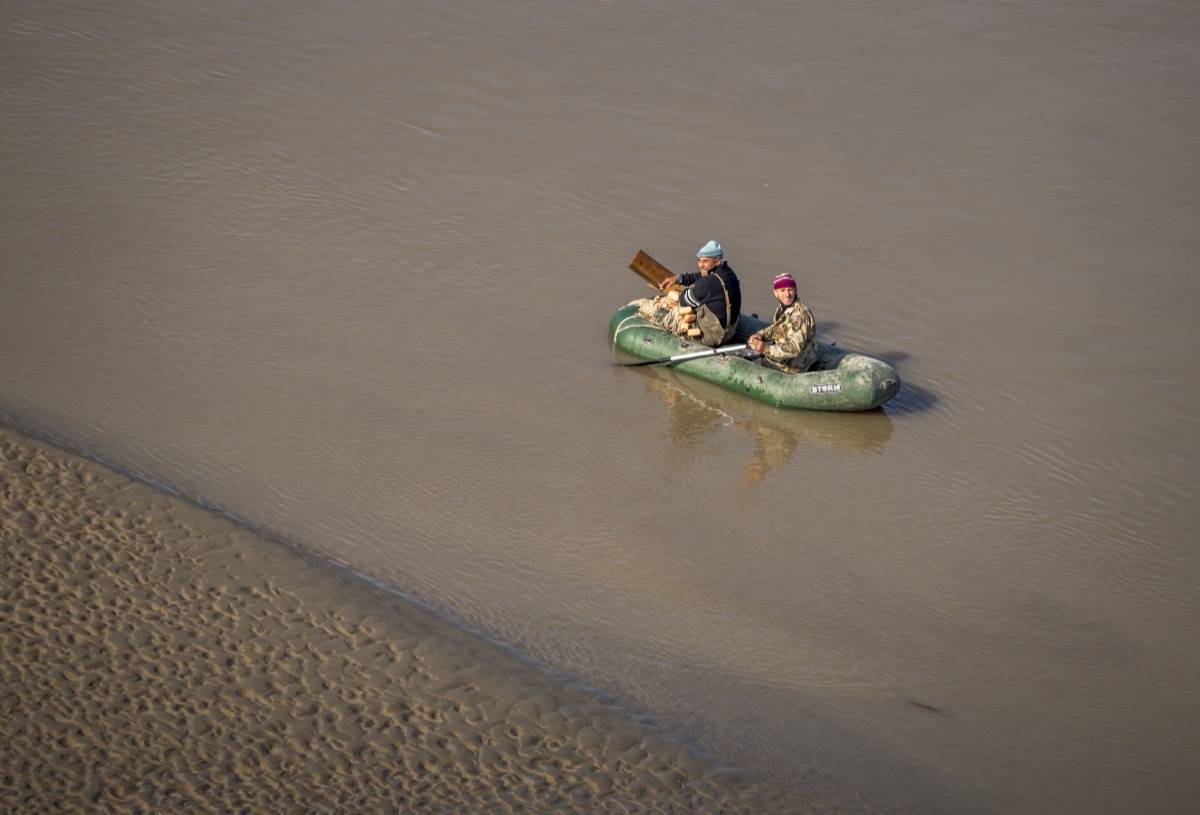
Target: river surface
x=344 y=271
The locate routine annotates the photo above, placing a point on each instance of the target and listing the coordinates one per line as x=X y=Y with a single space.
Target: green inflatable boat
x=840 y=379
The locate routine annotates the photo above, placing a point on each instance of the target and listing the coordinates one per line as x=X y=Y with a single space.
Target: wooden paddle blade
x=649 y=269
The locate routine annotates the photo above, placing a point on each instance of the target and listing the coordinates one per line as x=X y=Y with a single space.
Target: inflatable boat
x=839 y=380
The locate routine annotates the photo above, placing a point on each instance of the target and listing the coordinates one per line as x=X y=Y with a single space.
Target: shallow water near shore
x=344 y=273
x=160 y=658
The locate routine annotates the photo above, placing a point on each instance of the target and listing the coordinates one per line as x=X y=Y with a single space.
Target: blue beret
x=712 y=249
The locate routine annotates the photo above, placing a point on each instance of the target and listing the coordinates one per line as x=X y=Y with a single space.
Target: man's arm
x=787 y=338
x=698 y=291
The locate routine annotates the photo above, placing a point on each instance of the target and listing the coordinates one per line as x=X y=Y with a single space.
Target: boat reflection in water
x=697 y=410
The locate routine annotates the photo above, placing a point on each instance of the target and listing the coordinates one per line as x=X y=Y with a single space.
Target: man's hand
x=756 y=343
x=667 y=281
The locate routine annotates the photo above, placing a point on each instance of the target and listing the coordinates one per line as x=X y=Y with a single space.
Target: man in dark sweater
x=713 y=294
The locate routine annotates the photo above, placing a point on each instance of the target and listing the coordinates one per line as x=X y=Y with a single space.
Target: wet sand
x=158 y=657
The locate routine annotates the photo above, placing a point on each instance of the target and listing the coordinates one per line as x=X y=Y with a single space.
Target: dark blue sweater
x=706 y=291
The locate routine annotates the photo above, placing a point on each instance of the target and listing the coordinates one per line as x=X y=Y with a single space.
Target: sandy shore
x=157 y=658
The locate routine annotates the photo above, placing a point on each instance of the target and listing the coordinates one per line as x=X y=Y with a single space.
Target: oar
x=707 y=352
x=653 y=272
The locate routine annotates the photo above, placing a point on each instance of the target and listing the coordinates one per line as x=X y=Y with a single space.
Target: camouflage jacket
x=791 y=339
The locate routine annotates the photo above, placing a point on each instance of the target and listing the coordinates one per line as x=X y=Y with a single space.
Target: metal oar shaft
x=707 y=352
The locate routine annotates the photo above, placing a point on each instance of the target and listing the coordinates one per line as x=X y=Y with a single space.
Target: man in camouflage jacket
x=789 y=343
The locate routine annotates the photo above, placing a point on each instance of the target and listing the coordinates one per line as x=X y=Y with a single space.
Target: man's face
x=706 y=265
x=785 y=296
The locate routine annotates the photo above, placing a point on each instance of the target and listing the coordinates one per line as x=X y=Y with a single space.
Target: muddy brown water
x=344 y=272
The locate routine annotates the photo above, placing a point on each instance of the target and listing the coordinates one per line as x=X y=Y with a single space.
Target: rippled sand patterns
x=158 y=658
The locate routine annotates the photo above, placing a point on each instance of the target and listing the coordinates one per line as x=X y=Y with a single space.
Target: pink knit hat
x=784 y=281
